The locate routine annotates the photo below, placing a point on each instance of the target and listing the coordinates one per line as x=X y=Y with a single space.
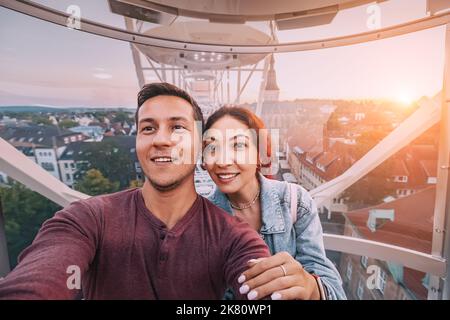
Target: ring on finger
x=284 y=270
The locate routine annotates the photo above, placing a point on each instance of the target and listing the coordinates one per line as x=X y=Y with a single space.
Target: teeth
x=227 y=176
x=162 y=160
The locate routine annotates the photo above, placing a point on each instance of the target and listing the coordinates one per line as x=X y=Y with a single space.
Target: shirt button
x=162 y=257
x=162 y=236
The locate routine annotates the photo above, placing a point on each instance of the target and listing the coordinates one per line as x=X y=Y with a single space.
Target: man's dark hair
x=152 y=90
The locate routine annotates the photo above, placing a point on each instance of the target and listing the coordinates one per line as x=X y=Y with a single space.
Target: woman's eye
x=210 y=148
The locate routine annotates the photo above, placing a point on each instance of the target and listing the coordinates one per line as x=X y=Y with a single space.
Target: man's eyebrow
x=178 y=119
x=146 y=120
x=173 y=119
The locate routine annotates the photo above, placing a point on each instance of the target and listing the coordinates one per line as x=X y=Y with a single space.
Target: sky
x=45 y=64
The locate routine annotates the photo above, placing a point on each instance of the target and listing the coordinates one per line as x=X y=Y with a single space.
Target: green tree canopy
x=67 y=123
x=38 y=119
x=94 y=183
x=109 y=159
x=24 y=211
x=122 y=116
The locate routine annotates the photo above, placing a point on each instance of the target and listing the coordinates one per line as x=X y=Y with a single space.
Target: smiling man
x=161 y=241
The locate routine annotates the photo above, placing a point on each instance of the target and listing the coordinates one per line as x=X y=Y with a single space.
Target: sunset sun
x=405 y=97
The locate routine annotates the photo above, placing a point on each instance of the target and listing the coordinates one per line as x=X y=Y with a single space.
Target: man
x=162 y=241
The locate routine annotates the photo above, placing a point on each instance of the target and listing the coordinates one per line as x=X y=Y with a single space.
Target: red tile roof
x=399 y=168
x=326 y=158
x=412 y=228
x=423 y=152
x=429 y=167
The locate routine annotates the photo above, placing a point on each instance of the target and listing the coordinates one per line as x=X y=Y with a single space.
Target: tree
x=372 y=188
x=109 y=159
x=67 y=123
x=136 y=183
x=24 y=211
x=94 y=183
x=38 y=119
x=121 y=116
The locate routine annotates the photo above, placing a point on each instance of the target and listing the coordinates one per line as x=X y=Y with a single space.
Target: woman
x=233 y=142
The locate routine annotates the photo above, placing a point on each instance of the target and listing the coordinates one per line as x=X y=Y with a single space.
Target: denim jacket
x=302 y=240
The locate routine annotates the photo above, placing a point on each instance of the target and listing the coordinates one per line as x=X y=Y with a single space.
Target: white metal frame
x=16 y=165
x=58 y=17
x=441 y=237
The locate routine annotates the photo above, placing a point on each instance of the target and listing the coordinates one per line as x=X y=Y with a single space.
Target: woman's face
x=230 y=154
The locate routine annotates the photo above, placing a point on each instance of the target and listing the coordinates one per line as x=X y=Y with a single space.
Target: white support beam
x=16 y=165
x=246 y=82
x=421 y=120
x=238 y=88
x=441 y=236
x=262 y=86
x=135 y=54
x=386 y=252
x=228 y=86
x=155 y=70
x=163 y=72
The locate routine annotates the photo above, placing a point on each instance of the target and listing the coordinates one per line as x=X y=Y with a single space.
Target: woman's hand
x=280 y=276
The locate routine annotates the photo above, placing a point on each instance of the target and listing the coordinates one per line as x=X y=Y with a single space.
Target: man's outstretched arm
x=242 y=244
x=52 y=266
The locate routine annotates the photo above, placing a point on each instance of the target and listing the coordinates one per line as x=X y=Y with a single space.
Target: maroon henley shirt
x=123 y=251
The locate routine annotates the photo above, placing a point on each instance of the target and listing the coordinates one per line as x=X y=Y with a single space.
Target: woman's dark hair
x=252 y=121
x=166 y=89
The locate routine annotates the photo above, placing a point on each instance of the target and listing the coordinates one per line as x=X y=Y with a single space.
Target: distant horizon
x=391 y=100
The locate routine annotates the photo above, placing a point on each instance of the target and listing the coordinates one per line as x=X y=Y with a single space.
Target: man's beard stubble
x=170 y=186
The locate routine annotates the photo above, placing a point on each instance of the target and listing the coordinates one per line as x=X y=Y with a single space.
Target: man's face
x=167 y=142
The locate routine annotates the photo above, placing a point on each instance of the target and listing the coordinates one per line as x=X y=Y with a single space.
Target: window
x=72 y=165
x=48 y=166
x=360 y=289
x=364 y=261
x=349 y=270
x=382 y=281
x=66 y=165
x=68 y=177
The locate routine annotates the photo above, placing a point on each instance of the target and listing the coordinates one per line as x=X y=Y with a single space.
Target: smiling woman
x=244 y=192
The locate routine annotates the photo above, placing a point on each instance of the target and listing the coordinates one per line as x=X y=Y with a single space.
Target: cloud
x=102 y=76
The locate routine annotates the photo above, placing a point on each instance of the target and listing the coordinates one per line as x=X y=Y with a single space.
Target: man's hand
x=280 y=276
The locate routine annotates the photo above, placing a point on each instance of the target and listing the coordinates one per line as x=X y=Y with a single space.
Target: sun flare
x=405 y=98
